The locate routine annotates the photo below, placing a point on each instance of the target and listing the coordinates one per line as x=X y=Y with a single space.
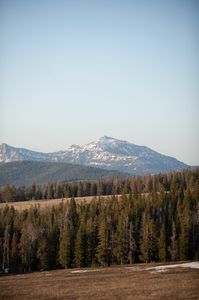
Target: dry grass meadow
x=22 y=205
x=125 y=282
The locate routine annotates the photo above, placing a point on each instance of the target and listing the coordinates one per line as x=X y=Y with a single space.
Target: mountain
x=38 y=172
x=9 y=154
x=107 y=153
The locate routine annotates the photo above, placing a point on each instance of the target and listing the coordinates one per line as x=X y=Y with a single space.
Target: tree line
x=136 y=227
x=113 y=186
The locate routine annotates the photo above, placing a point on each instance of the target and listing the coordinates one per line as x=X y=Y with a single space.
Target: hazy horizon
x=73 y=71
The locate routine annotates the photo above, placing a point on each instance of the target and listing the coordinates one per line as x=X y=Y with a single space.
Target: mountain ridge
x=106 y=153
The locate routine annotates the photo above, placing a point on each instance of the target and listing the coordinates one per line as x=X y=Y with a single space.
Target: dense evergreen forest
x=113 y=186
x=155 y=219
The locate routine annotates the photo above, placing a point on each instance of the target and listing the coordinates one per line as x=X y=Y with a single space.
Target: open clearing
x=120 y=282
x=22 y=205
x=43 y=203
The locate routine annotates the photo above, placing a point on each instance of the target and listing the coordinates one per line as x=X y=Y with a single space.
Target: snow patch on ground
x=165 y=268
x=79 y=271
x=84 y=271
x=193 y=265
x=159 y=271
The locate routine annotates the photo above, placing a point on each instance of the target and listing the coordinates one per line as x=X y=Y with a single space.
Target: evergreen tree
x=184 y=236
x=132 y=244
x=65 y=249
x=14 y=253
x=28 y=247
x=50 y=191
x=43 y=253
x=173 y=249
x=32 y=192
x=149 y=244
x=81 y=246
x=162 y=245
x=6 y=247
x=92 y=241
x=53 y=247
x=102 y=249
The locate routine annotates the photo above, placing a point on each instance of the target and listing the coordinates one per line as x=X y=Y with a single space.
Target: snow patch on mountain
x=106 y=152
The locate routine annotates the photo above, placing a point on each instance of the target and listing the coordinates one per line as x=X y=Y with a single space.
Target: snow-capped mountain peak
x=106 y=152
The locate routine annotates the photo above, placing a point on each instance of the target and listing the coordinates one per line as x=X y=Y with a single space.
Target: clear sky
x=72 y=71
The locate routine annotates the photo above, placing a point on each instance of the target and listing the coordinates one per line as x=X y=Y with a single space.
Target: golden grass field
x=21 y=205
x=119 y=282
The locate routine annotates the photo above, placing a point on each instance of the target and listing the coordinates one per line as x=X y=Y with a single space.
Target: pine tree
x=59 y=190
x=118 y=250
x=102 y=249
x=28 y=246
x=50 y=191
x=132 y=244
x=32 y=192
x=25 y=250
x=81 y=246
x=53 y=246
x=6 y=248
x=9 y=193
x=173 y=249
x=162 y=246
x=43 y=253
x=65 y=257
x=144 y=240
x=14 y=253
x=149 y=243
x=195 y=232
x=184 y=237
x=92 y=241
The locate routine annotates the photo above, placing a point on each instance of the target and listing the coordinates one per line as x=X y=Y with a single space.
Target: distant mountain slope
x=9 y=154
x=107 y=153
x=28 y=172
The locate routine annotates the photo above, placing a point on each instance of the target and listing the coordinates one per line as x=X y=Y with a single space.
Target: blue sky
x=72 y=71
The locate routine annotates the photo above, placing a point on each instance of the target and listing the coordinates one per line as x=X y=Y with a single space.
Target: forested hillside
x=112 y=186
x=38 y=172
x=159 y=225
